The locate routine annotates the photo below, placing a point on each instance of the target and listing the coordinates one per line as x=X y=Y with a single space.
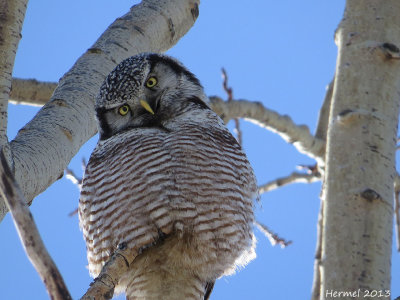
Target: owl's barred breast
x=188 y=186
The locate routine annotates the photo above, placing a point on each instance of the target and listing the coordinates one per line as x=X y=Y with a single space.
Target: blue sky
x=281 y=53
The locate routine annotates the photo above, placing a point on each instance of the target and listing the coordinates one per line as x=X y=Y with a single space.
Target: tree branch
x=12 y=14
x=102 y=288
x=272 y=237
x=48 y=142
x=294 y=177
x=29 y=234
x=31 y=91
x=298 y=135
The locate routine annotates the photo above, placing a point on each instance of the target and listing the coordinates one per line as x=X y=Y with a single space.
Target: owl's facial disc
x=147 y=90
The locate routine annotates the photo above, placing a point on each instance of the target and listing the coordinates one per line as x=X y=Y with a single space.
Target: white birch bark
x=12 y=14
x=43 y=148
x=360 y=158
x=31 y=91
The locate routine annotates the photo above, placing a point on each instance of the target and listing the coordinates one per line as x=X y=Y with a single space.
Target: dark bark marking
x=370 y=195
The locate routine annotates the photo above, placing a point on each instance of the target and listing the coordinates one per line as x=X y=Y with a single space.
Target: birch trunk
x=12 y=14
x=360 y=157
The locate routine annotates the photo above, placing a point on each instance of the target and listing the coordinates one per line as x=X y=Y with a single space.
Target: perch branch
x=298 y=135
x=102 y=288
x=273 y=238
x=29 y=234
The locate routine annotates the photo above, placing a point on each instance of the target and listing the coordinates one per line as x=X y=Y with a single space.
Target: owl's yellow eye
x=151 y=82
x=123 y=110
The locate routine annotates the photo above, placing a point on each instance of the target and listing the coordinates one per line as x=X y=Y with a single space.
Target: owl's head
x=146 y=90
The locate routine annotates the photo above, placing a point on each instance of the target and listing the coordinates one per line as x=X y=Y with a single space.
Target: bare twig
x=397 y=209
x=298 y=135
x=229 y=93
x=70 y=174
x=102 y=288
x=294 y=177
x=273 y=238
x=29 y=234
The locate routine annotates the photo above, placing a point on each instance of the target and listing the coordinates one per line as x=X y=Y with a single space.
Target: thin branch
x=29 y=234
x=31 y=91
x=397 y=209
x=294 y=177
x=70 y=174
x=228 y=90
x=298 y=135
x=272 y=237
x=102 y=288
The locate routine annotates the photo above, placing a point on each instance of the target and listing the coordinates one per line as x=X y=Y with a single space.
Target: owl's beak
x=146 y=106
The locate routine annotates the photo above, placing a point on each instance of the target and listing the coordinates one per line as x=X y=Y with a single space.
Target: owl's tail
x=162 y=285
